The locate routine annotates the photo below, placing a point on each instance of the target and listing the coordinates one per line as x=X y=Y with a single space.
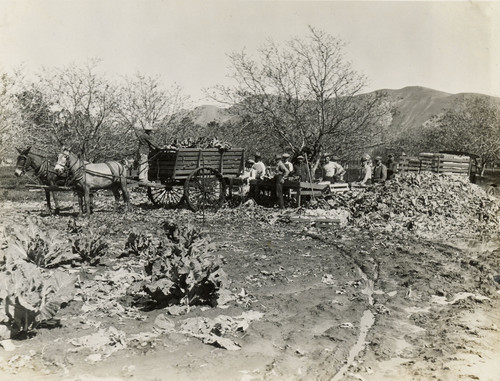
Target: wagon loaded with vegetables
x=201 y=177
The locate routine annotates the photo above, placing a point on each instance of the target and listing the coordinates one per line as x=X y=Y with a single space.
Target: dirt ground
x=335 y=303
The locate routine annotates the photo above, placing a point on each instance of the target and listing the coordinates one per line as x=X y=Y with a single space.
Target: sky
x=448 y=46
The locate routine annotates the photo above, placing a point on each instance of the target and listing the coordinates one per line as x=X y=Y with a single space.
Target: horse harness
x=115 y=176
x=78 y=174
x=44 y=169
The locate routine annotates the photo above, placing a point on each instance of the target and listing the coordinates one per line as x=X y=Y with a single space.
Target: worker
x=302 y=169
x=392 y=167
x=247 y=175
x=287 y=162
x=145 y=145
x=379 y=171
x=259 y=167
x=332 y=171
x=281 y=174
x=366 y=171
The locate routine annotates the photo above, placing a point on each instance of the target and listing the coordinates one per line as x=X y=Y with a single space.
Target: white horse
x=86 y=177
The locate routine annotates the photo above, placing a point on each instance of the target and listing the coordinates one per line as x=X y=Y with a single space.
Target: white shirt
x=332 y=168
x=260 y=169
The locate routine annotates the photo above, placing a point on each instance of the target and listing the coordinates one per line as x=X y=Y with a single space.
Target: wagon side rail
x=179 y=164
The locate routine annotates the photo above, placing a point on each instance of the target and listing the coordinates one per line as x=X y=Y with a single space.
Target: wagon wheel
x=204 y=189
x=167 y=197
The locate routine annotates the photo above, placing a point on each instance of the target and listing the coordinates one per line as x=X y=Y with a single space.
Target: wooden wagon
x=200 y=177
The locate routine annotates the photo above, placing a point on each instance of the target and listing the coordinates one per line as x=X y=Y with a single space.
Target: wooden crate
x=409 y=164
x=339 y=188
x=435 y=162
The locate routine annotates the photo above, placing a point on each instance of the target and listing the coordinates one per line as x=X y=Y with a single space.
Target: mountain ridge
x=413 y=106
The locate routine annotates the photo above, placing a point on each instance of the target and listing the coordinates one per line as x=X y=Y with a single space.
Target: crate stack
x=409 y=164
x=436 y=162
x=449 y=164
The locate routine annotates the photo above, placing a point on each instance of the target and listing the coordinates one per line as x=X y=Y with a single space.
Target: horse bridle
x=26 y=164
x=28 y=161
x=77 y=174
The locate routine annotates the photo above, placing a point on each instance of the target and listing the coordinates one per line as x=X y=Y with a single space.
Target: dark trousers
x=279 y=190
x=332 y=179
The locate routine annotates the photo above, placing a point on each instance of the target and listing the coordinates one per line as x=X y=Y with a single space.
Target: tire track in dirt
x=417 y=337
x=310 y=326
x=368 y=318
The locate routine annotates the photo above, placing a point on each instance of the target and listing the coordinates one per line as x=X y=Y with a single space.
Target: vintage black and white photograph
x=249 y=190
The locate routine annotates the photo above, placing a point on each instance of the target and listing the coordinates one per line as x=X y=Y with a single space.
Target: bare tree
x=305 y=94
x=74 y=106
x=9 y=121
x=144 y=101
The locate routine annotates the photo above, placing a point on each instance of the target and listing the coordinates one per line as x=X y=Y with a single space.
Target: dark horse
x=43 y=171
x=86 y=177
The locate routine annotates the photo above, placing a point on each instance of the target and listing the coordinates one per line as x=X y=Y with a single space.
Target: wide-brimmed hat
x=285 y=155
x=335 y=158
x=250 y=161
x=378 y=158
x=257 y=155
x=300 y=157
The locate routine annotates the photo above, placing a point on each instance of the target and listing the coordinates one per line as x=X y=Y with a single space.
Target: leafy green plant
x=90 y=246
x=140 y=244
x=44 y=248
x=30 y=296
x=183 y=269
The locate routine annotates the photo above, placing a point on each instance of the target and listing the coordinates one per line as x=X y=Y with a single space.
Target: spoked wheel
x=204 y=189
x=168 y=196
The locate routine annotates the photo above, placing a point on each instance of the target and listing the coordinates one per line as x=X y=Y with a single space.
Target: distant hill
x=202 y=115
x=413 y=104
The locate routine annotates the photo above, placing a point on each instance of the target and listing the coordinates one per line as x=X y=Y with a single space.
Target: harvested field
x=400 y=291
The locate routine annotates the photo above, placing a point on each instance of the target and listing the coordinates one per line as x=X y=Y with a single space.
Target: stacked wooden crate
x=436 y=162
x=409 y=164
x=448 y=164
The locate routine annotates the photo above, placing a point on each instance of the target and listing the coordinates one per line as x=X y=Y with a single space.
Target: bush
x=182 y=269
x=90 y=246
x=140 y=244
x=29 y=296
x=43 y=248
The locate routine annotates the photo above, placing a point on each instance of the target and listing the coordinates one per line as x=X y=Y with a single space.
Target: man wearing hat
x=259 y=167
x=301 y=169
x=247 y=175
x=145 y=144
x=281 y=174
x=332 y=170
x=392 y=167
x=365 y=177
x=379 y=171
x=287 y=162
